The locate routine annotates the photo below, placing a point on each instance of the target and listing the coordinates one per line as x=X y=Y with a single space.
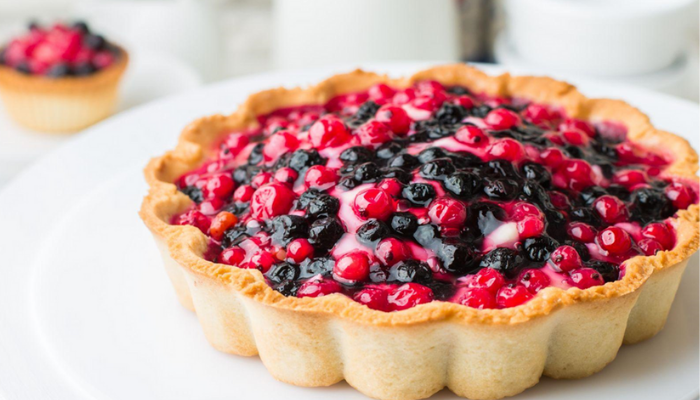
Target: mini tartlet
x=61 y=78
x=411 y=339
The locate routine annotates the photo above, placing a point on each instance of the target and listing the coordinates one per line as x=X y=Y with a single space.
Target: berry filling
x=399 y=197
x=58 y=51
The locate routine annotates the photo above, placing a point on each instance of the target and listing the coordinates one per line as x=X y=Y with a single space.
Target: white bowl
x=599 y=37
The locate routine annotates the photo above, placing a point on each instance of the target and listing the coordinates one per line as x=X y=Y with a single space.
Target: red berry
x=581 y=232
x=425 y=103
x=243 y=194
x=472 y=136
x=280 y=143
x=381 y=93
x=318 y=288
x=320 y=177
x=565 y=258
x=660 y=233
x=221 y=223
x=512 y=296
x=103 y=59
x=374 y=298
x=447 y=212
x=299 y=250
x=610 y=208
x=409 y=295
x=502 y=118
x=680 y=195
x=352 y=267
x=559 y=200
x=404 y=96
x=489 y=279
x=534 y=280
x=537 y=114
x=373 y=203
x=211 y=206
x=329 y=131
x=391 y=186
x=430 y=88
x=576 y=124
x=575 y=137
x=271 y=200
x=464 y=101
x=262 y=260
x=584 y=278
x=579 y=174
x=220 y=186
x=232 y=256
x=629 y=177
x=395 y=118
x=552 y=157
x=478 y=298
x=286 y=175
x=530 y=227
x=194 y=218
x=260 y=179
x=235 y=142
x=506 y=149
x=649 y=246
x=522 y=210
x=373 y=133
x=615 y=240
x=391 y=251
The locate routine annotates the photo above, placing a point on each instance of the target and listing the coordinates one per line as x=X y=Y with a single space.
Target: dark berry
x=81 y=26
x=58 y=70
x=588 y=195
x=503 y=259
x=288 y=288
x=83 y=69
x=243 y=174
x=317 y=266
x=323 y=206
x=306 y=198
x=419 y=193
x=501 y=168
x=348 y=182
x=501 y=189
x=372 y=231
x=539 y=248
x=286 y=228
x=437 y=169
x=234 y=236
x=485 y=217
x=399 y=174
x=537 y=173
x=458 y=90
x=457 y=257
x=610 y=272
x=24 y=68
x=584 y=214
x=388 y=150
x=404 y=223
x=430 y=154
x=281 y=272
x=649 y=204
x=480 y=111
x=356 y=155
x=325 y=232
x=450 y=114
x=194 y=193
x=366 y=172
x=404 y=161
x=366 y=111
x=462 y=185
x=426 y=235
x=409 y=271
x=302 y=159
x=94 y=42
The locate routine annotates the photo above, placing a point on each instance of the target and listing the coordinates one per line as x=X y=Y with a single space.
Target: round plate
x=87 y=312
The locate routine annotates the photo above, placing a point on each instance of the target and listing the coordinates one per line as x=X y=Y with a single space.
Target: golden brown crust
x=560 y=333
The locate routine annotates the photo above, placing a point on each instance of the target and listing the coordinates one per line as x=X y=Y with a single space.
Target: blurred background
x=177 y=45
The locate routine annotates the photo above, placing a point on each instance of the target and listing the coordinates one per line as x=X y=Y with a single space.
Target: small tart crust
x=411 y=354
x=65 y=104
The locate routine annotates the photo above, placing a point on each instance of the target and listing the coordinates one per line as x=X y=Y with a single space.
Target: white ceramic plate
x=86 y=311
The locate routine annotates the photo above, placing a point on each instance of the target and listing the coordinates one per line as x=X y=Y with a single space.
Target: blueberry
x=238 y=208
x=450 y=114
x=389 y=149
x=366 y=172
x=501 y=168
x=534 y=193
x=581 y=249
x=437 y=169
x=537 y=173
x=426 y=235
x=419 y=193
x=325 y=232
x=539 y=248
x=604 y=150
x=404 y=161
x=650 y=204
x=366 y=111
x=485 y=217
x=458 y=90
x=307 y=197
x=59 y=70
x=348 y=182
x=619 y=191
x=457 y=257
x=83 y=69
x=574 y=152
x=302 y=159
x=442 y=291
x=430 y=154
x=286 y=228
x=480 y=111
x=398 y=174
x=501 y=189
x=610 y=272
x=282 y=272
x=503 y=259
x=194 y=193
x=588 y=195
x=356 y=155
x=584 y=214
x=234 y=236
x=81 y=26
x=317 y=266
x=243 y=174
x=465 y=159
x=462 y=185
x=409 y=271
x=556 y=223
x=372 y=231
x=288 y=288
x=323 y=206
x=94 y=42
x=404 y=223
x=24 y=68
x=32 y=25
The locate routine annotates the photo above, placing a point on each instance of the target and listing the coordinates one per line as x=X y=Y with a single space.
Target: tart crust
x=411 y=354
x=61 y=105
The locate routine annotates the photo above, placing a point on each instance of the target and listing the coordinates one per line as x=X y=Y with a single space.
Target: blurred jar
x=310 y=33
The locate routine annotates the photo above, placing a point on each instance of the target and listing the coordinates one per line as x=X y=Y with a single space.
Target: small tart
x=477 y=349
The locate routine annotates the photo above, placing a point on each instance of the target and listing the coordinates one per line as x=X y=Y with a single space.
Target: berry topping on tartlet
x=59 y=50
x=400 y=196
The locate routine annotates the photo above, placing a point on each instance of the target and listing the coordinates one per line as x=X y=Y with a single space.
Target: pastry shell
x=412 y=354
x=61 y=105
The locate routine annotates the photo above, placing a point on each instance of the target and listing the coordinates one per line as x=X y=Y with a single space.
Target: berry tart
x=451 y=229
x=60 y=78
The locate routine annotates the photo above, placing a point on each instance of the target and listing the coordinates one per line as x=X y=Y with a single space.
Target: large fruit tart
x=450 y=229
